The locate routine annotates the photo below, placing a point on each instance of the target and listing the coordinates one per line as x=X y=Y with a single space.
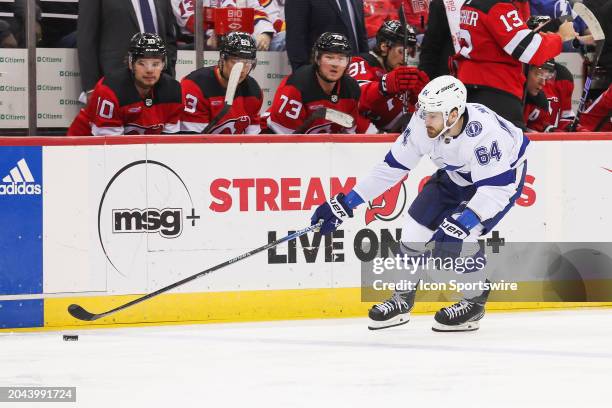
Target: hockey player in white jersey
x=482 y=166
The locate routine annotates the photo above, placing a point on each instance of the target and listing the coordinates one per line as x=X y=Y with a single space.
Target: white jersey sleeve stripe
x=172 y=127
x=531 y=49
x=515 y=41
x=278 y=128
x=193 y=126
x=107 y=131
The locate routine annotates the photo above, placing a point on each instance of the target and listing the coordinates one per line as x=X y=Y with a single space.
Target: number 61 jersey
x=116 y=108
x=486 y=155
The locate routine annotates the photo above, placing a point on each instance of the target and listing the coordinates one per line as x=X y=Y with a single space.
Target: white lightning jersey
x=485 y=154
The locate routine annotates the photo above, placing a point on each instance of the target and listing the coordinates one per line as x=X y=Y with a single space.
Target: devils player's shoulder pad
x=349 y=88
x=206 y=79
x=121 y=83
x=484 y=5
x=303 y=78
x=249 y=87
x=563 y=73
x=167 y=90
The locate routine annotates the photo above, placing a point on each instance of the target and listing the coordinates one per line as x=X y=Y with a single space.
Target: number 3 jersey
x=204 y=96
x=495 y=42
x=485 y=154
x=116 y=108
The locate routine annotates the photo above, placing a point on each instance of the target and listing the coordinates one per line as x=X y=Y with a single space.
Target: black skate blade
x=78 y=312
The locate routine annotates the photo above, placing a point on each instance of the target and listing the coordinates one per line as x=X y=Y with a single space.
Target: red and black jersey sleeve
x=564 y=88
x=300 y=95
x=115 y=108
x=597 y=117
x=383 y=111
x=104 y=111
x=204 y=96
x=495 y=41
x=537 y=113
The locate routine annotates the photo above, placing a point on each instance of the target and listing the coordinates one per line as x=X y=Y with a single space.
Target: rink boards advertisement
x=91 y=222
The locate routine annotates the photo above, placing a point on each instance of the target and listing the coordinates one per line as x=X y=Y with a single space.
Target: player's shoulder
x=206 y=79
x=121 y=84
x=302 y=78
x=349 y=87
x=486 y=5
x=480 y=122
x=562 y=73
x=168 y=90
x=249 y=87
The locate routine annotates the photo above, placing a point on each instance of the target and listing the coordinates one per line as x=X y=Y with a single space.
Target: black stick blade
x=79 y=313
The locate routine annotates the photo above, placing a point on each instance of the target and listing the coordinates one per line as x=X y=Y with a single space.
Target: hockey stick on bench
x=599 y=37
x=332 y=115
x=230 y=92
x=80 y=313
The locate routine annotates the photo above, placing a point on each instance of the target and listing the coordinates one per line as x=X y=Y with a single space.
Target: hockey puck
x=71 y=337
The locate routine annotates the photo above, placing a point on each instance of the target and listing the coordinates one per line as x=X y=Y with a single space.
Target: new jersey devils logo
x=389 y=205
x=234 y=126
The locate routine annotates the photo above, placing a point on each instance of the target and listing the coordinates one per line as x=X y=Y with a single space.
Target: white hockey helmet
x=443 y=94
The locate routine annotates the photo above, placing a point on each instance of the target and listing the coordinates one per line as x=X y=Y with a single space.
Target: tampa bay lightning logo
x=473 y=129
x=405 y=135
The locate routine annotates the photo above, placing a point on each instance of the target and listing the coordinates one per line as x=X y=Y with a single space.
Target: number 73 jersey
x=485 y=155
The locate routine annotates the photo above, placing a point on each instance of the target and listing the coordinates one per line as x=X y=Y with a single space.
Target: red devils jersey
x=299 y=95
x=552 y=107
x=203 y=96
x=495 y=41
x=375 y=13
x=116 y=108
x=417 y=12
x=383 y=111
x=597 y=118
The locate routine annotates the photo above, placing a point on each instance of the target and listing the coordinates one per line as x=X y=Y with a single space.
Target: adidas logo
x=20 y=181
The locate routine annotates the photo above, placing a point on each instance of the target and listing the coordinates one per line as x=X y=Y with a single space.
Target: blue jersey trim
x=390 y=160
x=503 y=179
x=521 y=150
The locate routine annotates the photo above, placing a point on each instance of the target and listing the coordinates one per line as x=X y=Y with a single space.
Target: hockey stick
x=230 y=92
x=402 y=19
x=332 y=115
x=80 y=313
x=599 y=37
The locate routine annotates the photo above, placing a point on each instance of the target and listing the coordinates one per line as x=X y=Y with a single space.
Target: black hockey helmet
x=146 y=45
x=391 y=32
x=332 y=42
x=549 y=65
x=238 y=44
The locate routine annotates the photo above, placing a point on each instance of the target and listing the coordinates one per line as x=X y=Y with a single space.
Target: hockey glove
x=403 y=79
x=448 y=239
x=333 y=213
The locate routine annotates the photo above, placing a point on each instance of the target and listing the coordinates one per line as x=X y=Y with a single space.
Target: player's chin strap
x=444 y=133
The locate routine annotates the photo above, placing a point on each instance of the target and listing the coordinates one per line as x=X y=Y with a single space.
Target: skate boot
x=462 y=316
x=392 y=312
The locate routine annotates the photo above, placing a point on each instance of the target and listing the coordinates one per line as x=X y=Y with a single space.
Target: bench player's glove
x=333 y=213
x=403 y=79
x=448 y=239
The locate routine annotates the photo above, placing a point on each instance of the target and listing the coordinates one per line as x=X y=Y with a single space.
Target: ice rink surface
x=532 y=359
